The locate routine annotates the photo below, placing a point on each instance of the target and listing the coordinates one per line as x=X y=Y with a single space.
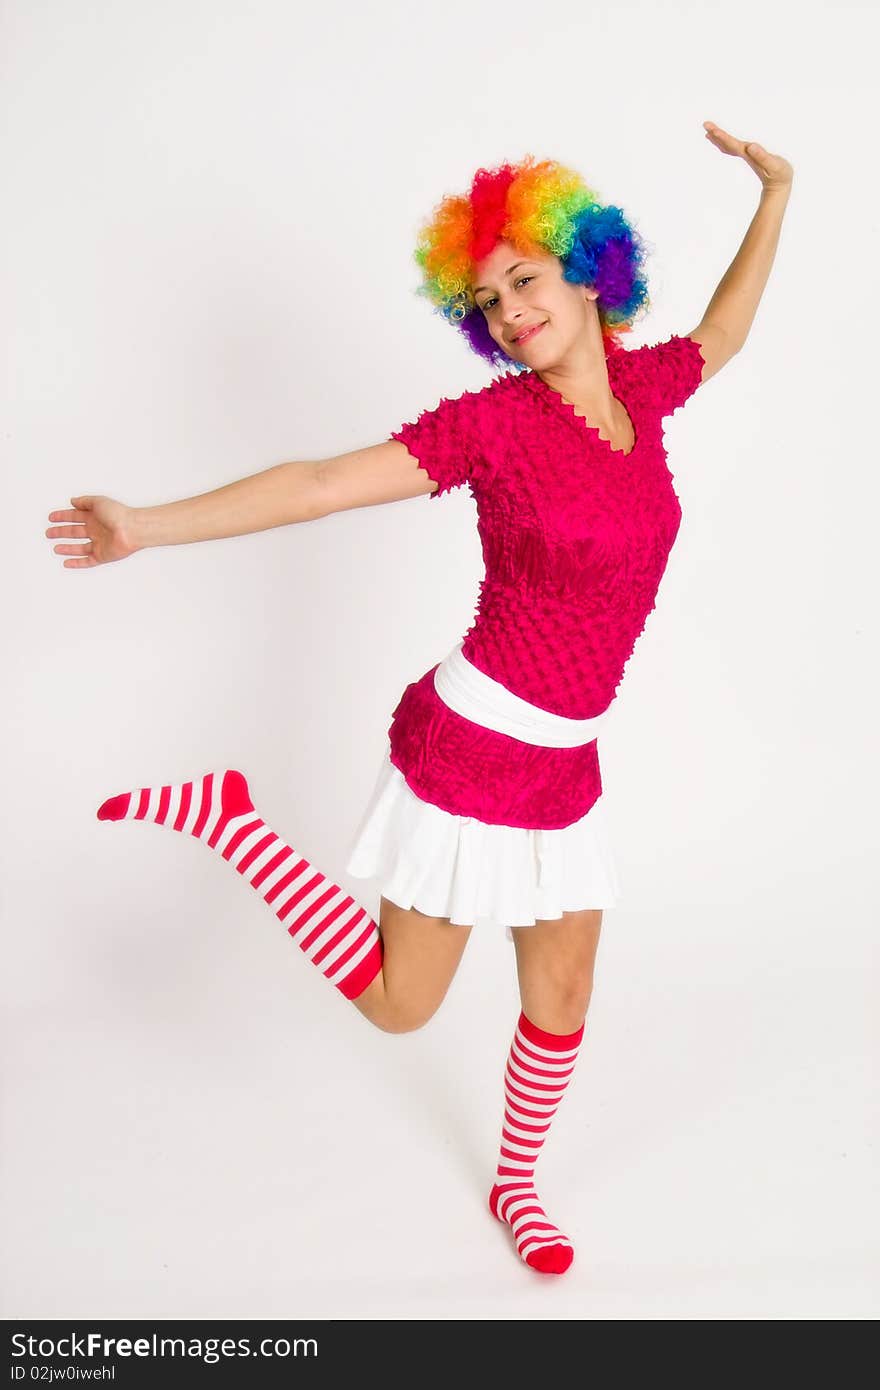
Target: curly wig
x=536 y=206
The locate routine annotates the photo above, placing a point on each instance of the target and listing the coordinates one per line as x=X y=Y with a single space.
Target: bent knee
x=409 y=1019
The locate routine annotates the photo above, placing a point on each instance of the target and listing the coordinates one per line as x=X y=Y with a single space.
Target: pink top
x=575 y=538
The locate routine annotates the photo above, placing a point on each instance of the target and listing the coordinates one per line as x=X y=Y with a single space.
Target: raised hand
x=771 y=169
x=104 y=530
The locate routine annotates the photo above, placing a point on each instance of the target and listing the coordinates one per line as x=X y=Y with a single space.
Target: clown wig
x=536 y=206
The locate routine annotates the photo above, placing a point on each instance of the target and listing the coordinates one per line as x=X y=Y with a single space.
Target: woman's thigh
x=421 y=956
x=555 y=960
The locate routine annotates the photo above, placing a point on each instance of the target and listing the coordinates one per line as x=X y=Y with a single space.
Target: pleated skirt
x=472 y=872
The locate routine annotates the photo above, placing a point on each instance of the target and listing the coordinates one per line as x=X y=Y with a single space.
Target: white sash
x=476 y=696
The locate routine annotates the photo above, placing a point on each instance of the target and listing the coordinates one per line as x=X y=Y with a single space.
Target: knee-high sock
x=330 y=928
x=539 y=1067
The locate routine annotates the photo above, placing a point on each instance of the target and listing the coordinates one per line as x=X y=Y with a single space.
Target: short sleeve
x=443 y=441
x=670 y=371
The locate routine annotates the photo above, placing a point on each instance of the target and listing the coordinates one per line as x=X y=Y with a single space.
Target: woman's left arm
x=725 y=325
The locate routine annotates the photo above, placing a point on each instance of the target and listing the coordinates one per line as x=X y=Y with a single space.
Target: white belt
x=476 y=696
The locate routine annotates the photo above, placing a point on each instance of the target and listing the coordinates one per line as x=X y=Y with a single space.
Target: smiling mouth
x=529 y=333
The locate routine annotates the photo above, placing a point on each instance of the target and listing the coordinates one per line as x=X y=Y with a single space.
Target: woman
x=487 y=805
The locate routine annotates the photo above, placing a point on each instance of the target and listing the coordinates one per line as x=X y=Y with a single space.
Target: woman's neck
x=581 y=379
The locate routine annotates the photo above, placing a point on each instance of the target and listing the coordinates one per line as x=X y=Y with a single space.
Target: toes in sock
x=541 y=1244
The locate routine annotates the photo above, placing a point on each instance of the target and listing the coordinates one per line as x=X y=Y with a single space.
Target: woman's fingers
x=723 y=138
x=772 y=169
x=54 y=532
x=81 y=554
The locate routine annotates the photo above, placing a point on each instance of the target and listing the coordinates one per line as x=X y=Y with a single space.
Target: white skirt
x=469 y=871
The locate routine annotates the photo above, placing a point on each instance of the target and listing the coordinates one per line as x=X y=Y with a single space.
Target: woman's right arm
x=107 y=530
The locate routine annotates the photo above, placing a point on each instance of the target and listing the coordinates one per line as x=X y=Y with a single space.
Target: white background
x=210 y=211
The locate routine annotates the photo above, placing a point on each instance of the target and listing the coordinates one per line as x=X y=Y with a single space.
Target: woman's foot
x=538 y=1242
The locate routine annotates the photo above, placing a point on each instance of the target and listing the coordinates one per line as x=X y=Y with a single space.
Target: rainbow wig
x=536 y=206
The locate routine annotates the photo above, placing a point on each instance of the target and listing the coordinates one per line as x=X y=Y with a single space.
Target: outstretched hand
x=772 y=169
x=102 y=527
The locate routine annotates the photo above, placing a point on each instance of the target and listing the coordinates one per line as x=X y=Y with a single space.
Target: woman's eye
x=523 y=279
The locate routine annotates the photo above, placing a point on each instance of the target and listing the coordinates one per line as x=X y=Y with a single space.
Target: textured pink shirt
x=575 y=537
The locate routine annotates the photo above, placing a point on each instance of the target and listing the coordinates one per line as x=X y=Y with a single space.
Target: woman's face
x=517 y=292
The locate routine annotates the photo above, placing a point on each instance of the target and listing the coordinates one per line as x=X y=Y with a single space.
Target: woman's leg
x=396 y=975
x=421 y=955
x=555 y=961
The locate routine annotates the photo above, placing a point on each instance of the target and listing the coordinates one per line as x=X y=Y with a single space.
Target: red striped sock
x=336 y=934
x=538 y=1070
